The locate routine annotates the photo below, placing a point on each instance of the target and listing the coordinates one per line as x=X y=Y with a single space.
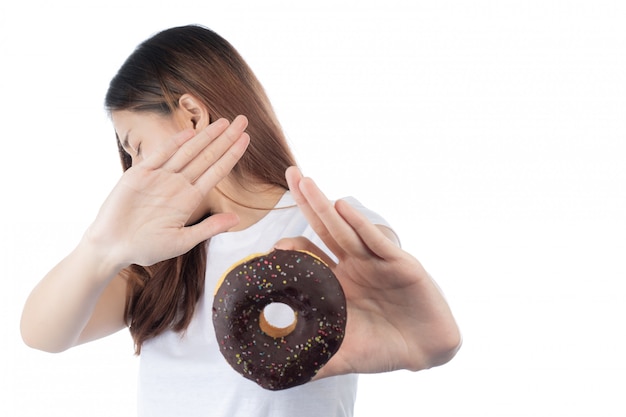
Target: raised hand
x=145 y=218
x=397 y=317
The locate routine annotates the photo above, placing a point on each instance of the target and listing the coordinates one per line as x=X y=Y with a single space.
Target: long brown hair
x=197 y=61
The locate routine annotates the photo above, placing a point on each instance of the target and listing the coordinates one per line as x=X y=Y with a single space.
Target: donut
x=279 y=356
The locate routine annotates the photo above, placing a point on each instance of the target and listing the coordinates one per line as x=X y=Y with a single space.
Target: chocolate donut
x=284 y=356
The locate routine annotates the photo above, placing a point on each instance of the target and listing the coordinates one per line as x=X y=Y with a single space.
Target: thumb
x=301 y=243
x=209 y=227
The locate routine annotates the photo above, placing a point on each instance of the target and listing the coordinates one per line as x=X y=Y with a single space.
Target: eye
x=132 y=149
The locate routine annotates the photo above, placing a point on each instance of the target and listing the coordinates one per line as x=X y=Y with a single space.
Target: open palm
x=397 y=317
x=144 y=218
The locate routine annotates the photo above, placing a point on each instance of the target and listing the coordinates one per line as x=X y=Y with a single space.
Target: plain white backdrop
x=491 y=134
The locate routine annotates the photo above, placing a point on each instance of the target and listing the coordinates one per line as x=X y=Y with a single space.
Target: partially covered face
x=140 y=133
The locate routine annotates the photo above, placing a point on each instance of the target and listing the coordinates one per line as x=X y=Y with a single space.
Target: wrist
x=103 y=257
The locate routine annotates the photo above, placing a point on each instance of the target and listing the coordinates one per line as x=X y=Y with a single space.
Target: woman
x=203 y=187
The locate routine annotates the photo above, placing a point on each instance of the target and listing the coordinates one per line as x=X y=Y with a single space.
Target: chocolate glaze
x=309 y=287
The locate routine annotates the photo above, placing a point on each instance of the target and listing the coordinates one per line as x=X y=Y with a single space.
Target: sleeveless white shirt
x=184 y=374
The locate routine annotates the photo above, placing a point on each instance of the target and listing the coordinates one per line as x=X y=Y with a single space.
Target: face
x=140 y=133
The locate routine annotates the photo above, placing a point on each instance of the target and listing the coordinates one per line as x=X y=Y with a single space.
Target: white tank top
x=184 y=374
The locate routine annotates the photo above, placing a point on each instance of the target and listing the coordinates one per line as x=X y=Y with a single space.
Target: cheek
x=147 y=149
x=156 y=140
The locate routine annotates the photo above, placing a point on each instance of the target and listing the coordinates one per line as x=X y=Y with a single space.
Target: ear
x=192 y=112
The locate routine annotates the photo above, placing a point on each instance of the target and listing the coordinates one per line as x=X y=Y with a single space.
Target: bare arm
x=79 y=300
x=143 y=221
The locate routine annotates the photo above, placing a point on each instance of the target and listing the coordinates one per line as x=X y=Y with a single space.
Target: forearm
x=60 y=306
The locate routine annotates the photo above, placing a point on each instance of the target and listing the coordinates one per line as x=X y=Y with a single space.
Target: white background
x=491 y=134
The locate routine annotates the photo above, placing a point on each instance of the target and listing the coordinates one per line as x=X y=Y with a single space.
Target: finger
x=169 y=148
x=192 y=148
x=294 y=179
x=301 y=243
x=293 y=176
x=222 y=167
x=341 y=233
x=208 y=146
x=211 y=153
x=370 y=234
x=209 y=227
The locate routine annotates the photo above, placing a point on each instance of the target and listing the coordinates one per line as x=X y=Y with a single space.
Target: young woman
x=208 y=180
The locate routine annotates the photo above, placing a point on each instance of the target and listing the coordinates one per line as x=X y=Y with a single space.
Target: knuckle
x=220 y=171
x=209 y=156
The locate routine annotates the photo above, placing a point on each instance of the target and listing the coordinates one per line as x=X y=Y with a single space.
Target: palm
x=144 y=219
x=397 y=318
x=380 y=335
x=146 y=211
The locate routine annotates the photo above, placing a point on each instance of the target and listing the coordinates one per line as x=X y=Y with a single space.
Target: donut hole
x=277 y=320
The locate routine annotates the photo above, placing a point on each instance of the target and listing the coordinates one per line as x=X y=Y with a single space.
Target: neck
x=251 y=203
